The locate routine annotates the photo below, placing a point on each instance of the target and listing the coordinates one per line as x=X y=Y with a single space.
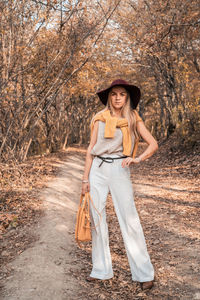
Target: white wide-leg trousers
x=112 y=177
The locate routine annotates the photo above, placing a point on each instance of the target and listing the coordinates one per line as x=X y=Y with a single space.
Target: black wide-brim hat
x=133 y=90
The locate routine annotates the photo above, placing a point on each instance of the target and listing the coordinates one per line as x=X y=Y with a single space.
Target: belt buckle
x=108 y=159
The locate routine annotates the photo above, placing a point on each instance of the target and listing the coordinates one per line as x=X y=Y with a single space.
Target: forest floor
x=39 y=258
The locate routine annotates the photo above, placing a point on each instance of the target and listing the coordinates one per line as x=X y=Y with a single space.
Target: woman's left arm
x=149 y=139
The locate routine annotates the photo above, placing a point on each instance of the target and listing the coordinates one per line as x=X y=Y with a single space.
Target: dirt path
x=42 y=271
x=168 y=205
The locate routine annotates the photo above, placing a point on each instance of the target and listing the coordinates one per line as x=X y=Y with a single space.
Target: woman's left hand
x=129 y=160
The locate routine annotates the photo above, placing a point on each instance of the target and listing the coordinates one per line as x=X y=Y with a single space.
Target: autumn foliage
x=56 y=54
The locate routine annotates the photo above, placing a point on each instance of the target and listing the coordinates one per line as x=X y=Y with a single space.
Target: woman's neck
x=117 y=113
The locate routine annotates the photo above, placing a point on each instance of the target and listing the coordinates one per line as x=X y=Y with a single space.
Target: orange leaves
x=8 y=220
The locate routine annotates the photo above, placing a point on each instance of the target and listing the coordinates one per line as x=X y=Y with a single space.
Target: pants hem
x=98 y=276
x=143 y=280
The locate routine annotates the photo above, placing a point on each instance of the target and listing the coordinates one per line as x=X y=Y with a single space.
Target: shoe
x=146 y=285
x=91 y=279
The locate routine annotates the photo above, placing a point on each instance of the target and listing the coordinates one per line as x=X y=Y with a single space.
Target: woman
x=115 y=133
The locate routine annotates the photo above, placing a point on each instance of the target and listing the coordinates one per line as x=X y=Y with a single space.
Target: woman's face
x=118 y=96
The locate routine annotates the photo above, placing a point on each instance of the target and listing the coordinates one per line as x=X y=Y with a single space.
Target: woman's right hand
x=85 y=187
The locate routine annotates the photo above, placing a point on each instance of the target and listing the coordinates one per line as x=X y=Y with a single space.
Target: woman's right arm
x=89 y=159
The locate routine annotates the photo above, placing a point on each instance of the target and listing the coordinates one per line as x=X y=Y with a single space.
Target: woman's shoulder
x=95 y=117
x=138 y=118
x=98 y=115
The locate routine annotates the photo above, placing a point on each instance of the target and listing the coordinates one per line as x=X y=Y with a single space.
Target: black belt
x=109 y=159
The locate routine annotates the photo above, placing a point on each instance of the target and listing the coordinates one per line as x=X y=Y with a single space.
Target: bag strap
x=85 y=202
x=86 y=199
x=81 y=199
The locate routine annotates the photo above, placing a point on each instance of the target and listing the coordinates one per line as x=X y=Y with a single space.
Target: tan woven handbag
x=83 y=228
x=83 y=231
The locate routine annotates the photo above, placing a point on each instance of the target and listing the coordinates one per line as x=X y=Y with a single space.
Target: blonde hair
x=126 y=112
